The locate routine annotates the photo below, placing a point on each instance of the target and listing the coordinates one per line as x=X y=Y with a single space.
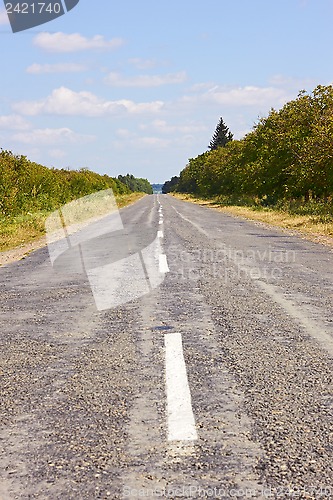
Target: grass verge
x=309 y=226
x=24 y=229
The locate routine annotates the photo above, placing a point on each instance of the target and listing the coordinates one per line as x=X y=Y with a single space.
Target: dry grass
x=127 y=199
x=21 y=229
x=24 y=229
x=307 y=226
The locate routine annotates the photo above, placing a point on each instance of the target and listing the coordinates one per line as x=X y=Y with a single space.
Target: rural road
x=213 y=381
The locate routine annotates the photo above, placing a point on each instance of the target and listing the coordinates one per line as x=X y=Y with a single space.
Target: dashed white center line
x=163 y=264
x=181 y=423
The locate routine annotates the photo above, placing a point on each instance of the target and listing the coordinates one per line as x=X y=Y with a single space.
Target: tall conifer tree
x=221 y=136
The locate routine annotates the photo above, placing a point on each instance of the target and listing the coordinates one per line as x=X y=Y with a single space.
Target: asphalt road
x=187 y=355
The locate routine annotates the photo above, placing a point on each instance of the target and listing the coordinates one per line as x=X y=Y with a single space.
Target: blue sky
x=138 y=87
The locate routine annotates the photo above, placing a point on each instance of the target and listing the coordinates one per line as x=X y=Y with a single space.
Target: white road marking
x=181 y=423
x=159 y=234
x=199 y=228
x=310 y=325
x=163 y=264
x=160 y=222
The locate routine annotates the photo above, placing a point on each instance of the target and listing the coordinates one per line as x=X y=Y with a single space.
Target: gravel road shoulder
x=21 y=251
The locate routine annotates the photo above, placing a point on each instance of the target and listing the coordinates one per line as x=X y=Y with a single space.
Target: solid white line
x=163 y=264
x=181 y=423
x=159 y=234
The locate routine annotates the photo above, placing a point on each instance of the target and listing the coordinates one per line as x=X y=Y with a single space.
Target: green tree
x=27 y=186
x=286 y=157
x=171 y=185
x=136 y=184
x=221 y=136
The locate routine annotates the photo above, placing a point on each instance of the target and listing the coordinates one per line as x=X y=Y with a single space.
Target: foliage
x=288 y=156
x=26 y=186
x=221 y=136
x=171 y=185
x=136 y=184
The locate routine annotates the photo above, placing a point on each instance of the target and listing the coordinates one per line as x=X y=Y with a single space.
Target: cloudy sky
x=139 y=86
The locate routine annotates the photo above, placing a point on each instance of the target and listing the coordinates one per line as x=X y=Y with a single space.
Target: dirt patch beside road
x=21 y=251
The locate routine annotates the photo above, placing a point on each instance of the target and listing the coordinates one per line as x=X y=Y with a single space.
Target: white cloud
x=117 y=80
x=14 y=122
x=137 y=142
x=163 y=127
x=295 y=84
x=201 y=87
x=57 y=153
x=38 y=69
x=62 y=42
x=128 y=138
x=3 y=17
x=63 y=101
x=155 y=142
x=242 y=96
x=141 y=107
x=248 y=96
x=142 y=63
x=51 y=136
x=124 y=133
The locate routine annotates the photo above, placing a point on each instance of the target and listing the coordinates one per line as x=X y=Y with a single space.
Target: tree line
x=26 y=186
x=136 y=183
x=288 y=155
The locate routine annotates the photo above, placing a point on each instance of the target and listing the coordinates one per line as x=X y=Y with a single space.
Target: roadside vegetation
x=29 y=192
x=284 y=165
x=136 y=184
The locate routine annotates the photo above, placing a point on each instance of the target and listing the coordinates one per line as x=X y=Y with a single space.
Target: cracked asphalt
x=82 y=392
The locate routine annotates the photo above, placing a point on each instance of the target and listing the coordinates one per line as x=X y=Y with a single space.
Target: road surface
x=213 y=381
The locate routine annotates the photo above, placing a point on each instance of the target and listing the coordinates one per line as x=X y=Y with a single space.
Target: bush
x=26 y=186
